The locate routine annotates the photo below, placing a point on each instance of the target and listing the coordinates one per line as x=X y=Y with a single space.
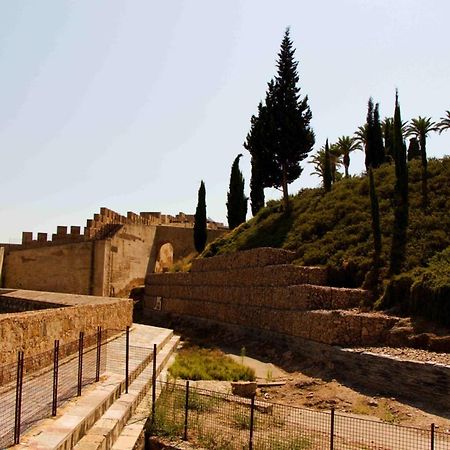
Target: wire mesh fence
x=215 y=420
x=35 y=386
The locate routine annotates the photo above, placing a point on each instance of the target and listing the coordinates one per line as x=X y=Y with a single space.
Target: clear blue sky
x=129 y=104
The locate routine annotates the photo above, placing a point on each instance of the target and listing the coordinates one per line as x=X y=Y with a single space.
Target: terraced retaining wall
x=258 y=294
x=259 y=289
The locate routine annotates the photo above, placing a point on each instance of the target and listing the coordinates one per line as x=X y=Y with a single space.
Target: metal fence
x=36 y=386
x=222 y=421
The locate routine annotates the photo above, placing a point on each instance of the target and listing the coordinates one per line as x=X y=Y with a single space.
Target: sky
x=130 y=104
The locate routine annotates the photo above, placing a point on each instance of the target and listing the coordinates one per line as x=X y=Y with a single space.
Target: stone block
x=42 y=237
x=61 y=230
x=75 y=231
x=27 y=236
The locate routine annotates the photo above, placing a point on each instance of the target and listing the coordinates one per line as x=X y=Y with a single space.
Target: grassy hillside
x=334 y=229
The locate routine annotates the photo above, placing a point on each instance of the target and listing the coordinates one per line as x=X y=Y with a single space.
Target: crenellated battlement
x=108 y=221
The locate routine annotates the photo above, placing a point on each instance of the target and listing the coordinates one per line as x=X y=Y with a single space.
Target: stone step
x=79 y=415
x=133 y=434
x=107 y=429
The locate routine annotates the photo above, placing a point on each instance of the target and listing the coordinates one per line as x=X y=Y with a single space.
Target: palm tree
x=361 y=136
x=345 y=145
x=420 y=128
x=444 y=123
x=318 y=160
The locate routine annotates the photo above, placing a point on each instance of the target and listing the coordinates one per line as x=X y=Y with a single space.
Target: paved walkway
x=37 y=390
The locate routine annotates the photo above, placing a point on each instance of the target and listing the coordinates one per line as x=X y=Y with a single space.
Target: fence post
x=19 y=385
x=127 y=358
x=154 y=385
x=99 y=349
x=252 y=421
x=432 y=436
x=80 y=362
x=332 y=429
x=55 y=377
x=186 y=411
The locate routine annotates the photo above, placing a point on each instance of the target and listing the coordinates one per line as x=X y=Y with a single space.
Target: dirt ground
x=318 y=391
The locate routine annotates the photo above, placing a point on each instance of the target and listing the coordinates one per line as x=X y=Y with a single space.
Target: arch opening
x=164 y=260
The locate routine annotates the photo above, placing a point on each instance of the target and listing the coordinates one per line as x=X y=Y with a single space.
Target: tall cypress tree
x=292 y=137
x=200 y=223
x=413 y=149
x=327 y=175
x=372 y=280
x=370 y=159
x=401 y=201
x=237 y=201
x=376 y=228
x=377 y=136
x=256 y=144
x=388 y=133
x=375 y=154
x=281 y=136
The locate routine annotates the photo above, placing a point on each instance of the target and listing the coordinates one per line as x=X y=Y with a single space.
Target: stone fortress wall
x=31 y=320
x=110 y=257
x=257 y=292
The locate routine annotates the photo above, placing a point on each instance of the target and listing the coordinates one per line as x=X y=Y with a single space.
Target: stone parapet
x=258 y=257
x=273 y=275
x=65 y=316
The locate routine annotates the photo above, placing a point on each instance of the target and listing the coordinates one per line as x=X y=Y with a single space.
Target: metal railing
x=36 y=386
x=215 y=420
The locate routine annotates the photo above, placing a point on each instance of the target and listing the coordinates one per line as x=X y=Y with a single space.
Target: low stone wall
x=34 y=332
x=330 y=327
x=258 y=257
x=424 y=384
x=301 y=297
x=272 y=275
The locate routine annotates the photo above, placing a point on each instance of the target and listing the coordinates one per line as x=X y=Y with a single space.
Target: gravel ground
x=409 y=354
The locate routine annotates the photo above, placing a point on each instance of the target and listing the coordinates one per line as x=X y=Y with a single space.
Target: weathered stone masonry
x=65 y=316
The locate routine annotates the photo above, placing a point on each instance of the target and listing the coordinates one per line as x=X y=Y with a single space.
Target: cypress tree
x=237 y=201
x=372 y=280
x=388 y=131
x=401 y=205
x=375 y=211
x=375 y=155
x=255 y=143
x=378 y=152
x=292 y=137
x=200 y=235
x=327 y=175
x=413 y=149
x=369 y=160
x=281 y=136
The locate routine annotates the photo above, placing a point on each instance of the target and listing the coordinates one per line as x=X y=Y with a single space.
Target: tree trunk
x=423 y=154
x=285 y=191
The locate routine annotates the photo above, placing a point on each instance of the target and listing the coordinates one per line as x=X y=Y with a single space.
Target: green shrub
x=204 y=364
x=334 y=229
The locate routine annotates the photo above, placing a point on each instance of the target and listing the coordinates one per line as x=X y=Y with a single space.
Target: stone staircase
x=98 y=419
